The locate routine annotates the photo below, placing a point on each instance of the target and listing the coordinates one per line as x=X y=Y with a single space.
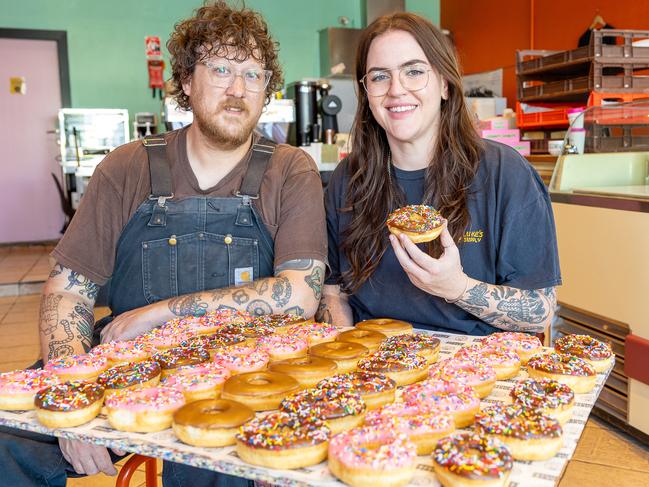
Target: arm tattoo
x=282 y=291
x=259 y=307
x=81 y=318
x=240 y=296
x=323 y=313
x=189 y=304
x=56 y=270
x=295 y=265
x=314 y=280
x=260 y=286
x=49 y=313
x=295 y=310
x=62 y=347
x=88 y=288
x=85 y=325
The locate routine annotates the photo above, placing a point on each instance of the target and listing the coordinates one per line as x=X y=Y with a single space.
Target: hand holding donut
x=441 y=277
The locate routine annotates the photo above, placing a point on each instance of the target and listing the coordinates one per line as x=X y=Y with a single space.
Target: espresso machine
x=316 y=112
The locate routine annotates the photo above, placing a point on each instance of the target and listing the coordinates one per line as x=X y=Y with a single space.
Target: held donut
x=210 y=422
x=372 y=456
x=68 y=404
x=196 y=382
x=452 y=398
x=567 y=369
x=370 y=339
x=313 y=332
x=529 y=434
x=260 y=391
x=308 y=371
x=477 y=375
x=376 y=390
x=468 y=459
x=423 y=428
x=425 y=345
x=173 y=359
x=402 y=367
x=506 y=363
x=421 y=223
x=284 y=441
x=283 y=347
x=18 y=388
x=345 y=354
x=240 y=359
x=143 y=410
x=596 y=353
x=387 y=326
x=523 y=344
x=549 y=396
x=130 y=376
x=85 y=367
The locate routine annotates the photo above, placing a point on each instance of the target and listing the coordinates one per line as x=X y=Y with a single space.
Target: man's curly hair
x=213 y=30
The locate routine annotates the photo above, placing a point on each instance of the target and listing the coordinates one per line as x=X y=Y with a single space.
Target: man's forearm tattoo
x=187 y=305
x=80 y=320
x=323 y=313
x=49 y=313
x=295 y=310
x=295 y=265
x=259 y=307
x=240 y=296
x=88 y=288
x=282 y=291
x=314 y=281
x=85 y=321
x=56 y=270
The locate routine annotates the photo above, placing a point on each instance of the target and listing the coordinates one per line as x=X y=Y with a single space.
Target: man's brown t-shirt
x=290 y=204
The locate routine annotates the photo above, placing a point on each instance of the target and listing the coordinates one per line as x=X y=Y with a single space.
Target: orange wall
x=488 y=32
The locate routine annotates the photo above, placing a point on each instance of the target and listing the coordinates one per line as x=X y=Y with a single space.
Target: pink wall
x=30 y=208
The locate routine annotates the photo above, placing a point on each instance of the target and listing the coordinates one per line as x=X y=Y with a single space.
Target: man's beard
x=221 y=136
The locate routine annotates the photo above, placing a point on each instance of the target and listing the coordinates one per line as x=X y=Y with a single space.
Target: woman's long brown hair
x=370 y=194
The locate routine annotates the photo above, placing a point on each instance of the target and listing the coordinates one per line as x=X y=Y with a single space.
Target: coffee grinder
x=315 y=112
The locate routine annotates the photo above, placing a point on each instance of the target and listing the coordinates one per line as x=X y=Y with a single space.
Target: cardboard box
x=497 y=123
x=512 y=134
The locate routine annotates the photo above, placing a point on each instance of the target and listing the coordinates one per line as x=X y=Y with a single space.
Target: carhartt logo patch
x=474 y=236
x=243 y=275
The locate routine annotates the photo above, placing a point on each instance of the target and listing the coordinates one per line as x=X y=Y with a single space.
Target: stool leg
x=130 y=467
x=151 y=472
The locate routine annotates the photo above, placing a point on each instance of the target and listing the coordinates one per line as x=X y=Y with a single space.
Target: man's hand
x=131 y=324
x=87 y=458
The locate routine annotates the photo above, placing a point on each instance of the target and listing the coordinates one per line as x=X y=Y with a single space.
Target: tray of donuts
x=375 y=401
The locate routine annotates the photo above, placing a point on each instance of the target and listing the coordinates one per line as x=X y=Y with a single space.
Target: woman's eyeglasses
x=413 y=77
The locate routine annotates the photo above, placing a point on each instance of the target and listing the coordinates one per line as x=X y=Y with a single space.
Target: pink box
x=522 y=146
x=511 y=134
x=498 y=123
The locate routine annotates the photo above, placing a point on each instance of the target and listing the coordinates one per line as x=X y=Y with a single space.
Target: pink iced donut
x=314 y=333
x=524 y=344
x=18 y=388
x=241 y=358
x=78 y=367
x=361 y=456
x=203 y=381
x=143 y=410
x=450 y=397
x=164 y=338
x=119 y=353
x=423 y=428
x=478 y=375
x=283 y=347
x=250 y=330
x=505 y=362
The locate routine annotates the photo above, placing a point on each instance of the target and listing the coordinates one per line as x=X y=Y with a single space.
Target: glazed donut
x=68 y=404
x=260 y=391
x=18 y=388
x=196 y=382
x=240 y=359
x=308 y=371
x=345 y=354
x=280 y=322
x=478 y=375
x=313 y=332
x=567 y=369
x=507 y=364
x=207 y=323
x=283 y=347
x=372 y=456
x=452 y=398
x=468 y=460
x=421 y=223
x=529 y=434
x=596 y=353
x=552 y=398
x=249 y=330
x=173 y=359
x=376 y=390
x=84 y=367
x=118 y=353
x=284 y=441
x=369 y=339
x=524 y=344
x=425 y=345
x=342 y=409
x=215 y=342
x=143 y=410
x=402 y=367
x=423 y=428
x=136 y=375
x=163 y=338
x=387 y=326
x=210 y=422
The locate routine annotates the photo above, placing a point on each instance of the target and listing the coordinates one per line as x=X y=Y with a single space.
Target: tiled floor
x=604 y=456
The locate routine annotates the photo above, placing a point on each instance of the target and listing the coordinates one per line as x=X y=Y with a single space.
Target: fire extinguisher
x=155 y=65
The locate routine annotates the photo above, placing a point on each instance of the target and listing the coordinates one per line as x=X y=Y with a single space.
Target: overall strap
x=262 y=151
x=160 y=173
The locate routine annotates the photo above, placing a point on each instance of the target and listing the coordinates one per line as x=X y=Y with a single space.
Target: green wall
x=106 y=38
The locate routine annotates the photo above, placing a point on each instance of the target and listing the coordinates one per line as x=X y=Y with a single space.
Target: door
x=30 y=207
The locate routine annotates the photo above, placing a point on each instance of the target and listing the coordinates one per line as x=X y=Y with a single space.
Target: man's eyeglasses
x=222 y=75
x=413 y=77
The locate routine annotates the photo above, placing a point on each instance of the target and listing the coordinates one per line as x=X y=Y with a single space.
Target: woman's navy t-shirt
x=511 y=240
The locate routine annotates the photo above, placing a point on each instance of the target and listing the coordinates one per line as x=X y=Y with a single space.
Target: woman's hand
x=441 y=277
x=131 y=324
